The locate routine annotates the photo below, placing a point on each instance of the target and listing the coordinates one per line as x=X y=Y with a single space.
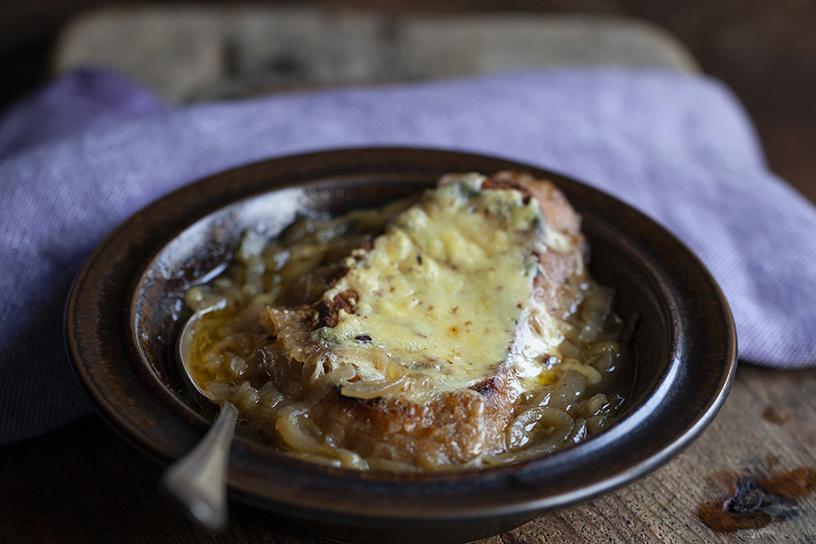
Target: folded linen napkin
x=90 y=149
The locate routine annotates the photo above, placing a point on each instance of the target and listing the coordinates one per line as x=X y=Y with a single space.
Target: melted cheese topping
x=446 y=291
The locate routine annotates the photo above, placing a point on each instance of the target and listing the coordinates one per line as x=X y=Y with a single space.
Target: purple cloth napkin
x=92 y=148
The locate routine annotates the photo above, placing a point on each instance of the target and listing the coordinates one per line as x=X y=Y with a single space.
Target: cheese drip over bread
x=446 y=290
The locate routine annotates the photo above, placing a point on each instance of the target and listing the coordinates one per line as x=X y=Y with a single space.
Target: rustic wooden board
x=213 y=52
x=85 y=484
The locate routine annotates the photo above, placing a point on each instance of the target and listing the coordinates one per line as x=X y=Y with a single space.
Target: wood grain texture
x=84 y=484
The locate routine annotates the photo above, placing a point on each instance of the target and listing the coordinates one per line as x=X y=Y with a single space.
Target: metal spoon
x=198 y=481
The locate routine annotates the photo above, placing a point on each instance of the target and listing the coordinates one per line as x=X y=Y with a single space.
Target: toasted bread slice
x=421 y=350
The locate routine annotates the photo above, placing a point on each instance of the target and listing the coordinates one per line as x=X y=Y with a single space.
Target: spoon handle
x=198 y=481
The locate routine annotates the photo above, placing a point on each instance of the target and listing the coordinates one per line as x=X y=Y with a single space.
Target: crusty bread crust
x=452 y=429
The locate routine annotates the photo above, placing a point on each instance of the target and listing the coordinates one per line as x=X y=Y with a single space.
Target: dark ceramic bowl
x=125 y=310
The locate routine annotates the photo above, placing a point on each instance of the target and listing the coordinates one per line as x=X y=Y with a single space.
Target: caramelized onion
x=372 y=389
x=298 y=435
x=542 y=428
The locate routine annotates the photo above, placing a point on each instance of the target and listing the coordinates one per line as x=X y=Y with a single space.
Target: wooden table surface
x=749 y=475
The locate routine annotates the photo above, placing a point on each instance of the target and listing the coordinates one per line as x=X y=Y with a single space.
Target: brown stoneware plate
x=125 y=311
